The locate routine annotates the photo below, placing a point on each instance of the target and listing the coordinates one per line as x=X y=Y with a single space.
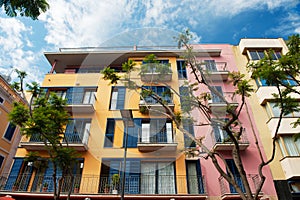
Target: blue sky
x=94 y=23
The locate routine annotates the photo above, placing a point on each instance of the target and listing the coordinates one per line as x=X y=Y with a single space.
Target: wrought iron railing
x=93 y=184
x=226 y=188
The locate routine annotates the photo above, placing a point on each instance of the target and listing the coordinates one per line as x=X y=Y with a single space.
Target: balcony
x=101 y=187
x=218 y=106
x=220 y=141
x=76 y=141
x=81 y=102
x=158 y=142
x=228 y=192
x=151 y=105
x=290 y=166
x=286 y=126
x=216 y=72
x=156 y=72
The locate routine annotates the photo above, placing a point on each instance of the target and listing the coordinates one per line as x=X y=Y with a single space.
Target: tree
x=47 y=121
x=284 y=75
x=27 y=8
x=192 y=101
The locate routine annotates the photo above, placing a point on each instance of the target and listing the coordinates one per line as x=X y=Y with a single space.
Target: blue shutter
x=121 y=97
x=78 y=93
x=69 y=96
x=14 y=173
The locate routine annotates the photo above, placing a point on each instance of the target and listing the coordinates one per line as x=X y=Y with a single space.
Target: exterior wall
x=250 y=154
x=7 y=147
x=265 y=124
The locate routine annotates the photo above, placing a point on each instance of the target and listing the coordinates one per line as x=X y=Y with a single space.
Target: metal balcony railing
x=227 y=189
x=95 y=184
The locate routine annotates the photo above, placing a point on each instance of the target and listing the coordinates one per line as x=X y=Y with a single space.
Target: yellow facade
x=266 y=124
x=8 y=142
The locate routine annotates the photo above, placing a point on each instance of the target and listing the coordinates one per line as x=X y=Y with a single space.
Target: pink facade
x=215 y=186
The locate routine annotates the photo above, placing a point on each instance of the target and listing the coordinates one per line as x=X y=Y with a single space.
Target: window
x=61 y=93
x=263 y=82
x=294 y=186
x=215 y=97
x=157 y=178
x=162 y=91
x=210 y=65
x=133 y=134
x=157 y=131
x=220 y=135
x=288 y=145
x=109 y=167
x=109 y=133
x=181 y=69
x=1 y=160
x=117 y=98
x=188 y=126
x=185 y=101
x=236 y=175
x=261 y=53
x=89 y=97
x=77 y=131
x=257 y=54
x=194 y=177
x=10 y=131
x=274 y=111
x=276 y=55
x=1 y=100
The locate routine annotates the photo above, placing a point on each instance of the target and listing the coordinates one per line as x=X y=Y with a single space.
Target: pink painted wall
x=250 y=156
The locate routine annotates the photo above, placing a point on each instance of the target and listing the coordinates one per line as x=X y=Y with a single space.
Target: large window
x=77 y=131
x=274 y=111
x=260 y=54
x=162 y=91
x=181 y=69
x=157 y=178
x=117 y=98
x=289 y=146
x=188 y=126
x=156 y=131
x=210 y=65
x=10 y=131
x=194 y=177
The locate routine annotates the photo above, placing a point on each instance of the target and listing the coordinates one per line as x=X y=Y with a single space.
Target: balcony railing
x=227 y=190
x=156 y=72
x=216 y=71
x=221 y=141
x=154 y=105
x=78 y=141
x=81 y=102
x=95 y=184
x=219 y=106
x=162 y=141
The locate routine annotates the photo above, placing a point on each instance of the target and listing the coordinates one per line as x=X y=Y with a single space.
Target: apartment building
x=115 y=132
x=9 y=133
x=285 y=170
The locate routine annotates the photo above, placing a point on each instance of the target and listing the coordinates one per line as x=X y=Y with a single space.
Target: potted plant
x=115 y=181
x=15 y=186
x=45 y=187
x=76 y=188
x=106 y=188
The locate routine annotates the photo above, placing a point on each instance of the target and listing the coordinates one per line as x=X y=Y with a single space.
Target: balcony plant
x=115 y=181
x=15 y=186
x=76 y=188
x=45 y=187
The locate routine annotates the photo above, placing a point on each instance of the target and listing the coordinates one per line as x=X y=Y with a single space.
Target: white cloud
x=15 y=47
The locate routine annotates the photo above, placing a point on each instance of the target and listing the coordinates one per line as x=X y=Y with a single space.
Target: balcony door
x=211 y=65
x=236 y=175
x=157 y=178
x=216 y=98
x=156 y=131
